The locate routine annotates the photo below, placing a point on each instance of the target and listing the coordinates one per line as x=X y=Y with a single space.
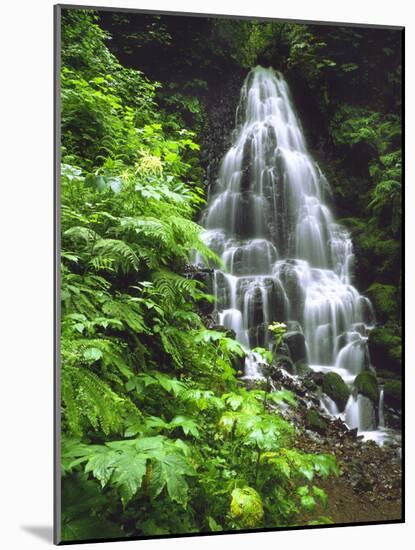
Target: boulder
x=293 y=326
x=314 y=421
x=366 y=383
x=335 y=387
x=317 y=377
x=296 y=344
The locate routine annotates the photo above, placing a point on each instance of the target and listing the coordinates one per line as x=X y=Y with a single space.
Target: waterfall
x=381 y=408
x=286 y=258
x=360 y=413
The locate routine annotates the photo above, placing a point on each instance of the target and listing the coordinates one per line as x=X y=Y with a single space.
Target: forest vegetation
x=159 y=435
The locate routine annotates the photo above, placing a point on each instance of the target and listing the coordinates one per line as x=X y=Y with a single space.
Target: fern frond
x=116 y=253
x=81 y=234
x=89 y=402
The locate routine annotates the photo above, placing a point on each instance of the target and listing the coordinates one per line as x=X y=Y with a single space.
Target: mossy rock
x=393 y=393
x=366 y=383
x=385 y=349
x=315 y=422
x=385 y=299
x=335 y=387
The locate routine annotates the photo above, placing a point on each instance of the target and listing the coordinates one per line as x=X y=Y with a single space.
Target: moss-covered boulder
x=393 y=393
x=385 y=299
x=314 y=421
x=335 y=387
x=385 y=349
x=367 y=384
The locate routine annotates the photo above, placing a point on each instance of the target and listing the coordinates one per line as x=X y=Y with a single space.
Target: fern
x=90 y=403
x=115 y=253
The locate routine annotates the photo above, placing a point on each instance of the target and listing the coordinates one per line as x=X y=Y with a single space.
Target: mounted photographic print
x=228 y=316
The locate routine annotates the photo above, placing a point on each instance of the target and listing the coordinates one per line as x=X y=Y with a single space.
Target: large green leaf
x=246 y=507
x=128 y=474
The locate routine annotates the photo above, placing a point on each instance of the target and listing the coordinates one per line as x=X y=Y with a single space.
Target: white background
x=26 y=299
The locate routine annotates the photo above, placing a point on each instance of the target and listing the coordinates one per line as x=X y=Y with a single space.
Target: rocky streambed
x=369 y=486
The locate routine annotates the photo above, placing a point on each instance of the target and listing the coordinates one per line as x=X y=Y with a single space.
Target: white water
x=286 y=258
x=381 y=408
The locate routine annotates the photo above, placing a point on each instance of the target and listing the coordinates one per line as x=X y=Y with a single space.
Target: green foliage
x=82 y=517
x=278 y=329
x=381 y=133
x=307 y=53
x=124 y=464
x=245 y=41
x=309 y=496
x=385 y=299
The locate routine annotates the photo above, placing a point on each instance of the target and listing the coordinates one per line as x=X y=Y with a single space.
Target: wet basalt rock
x=205 y=276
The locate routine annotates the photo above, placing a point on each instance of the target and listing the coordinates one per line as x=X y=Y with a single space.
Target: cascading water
x=286 y=258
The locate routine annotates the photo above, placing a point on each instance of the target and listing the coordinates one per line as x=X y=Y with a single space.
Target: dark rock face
x=204 y=276
x=257 y=335
x=285 y=362
x=220 y=108
x=296 y=344
x=393 y=394
x=295 y=294
x=316 y=378
x=393 y=418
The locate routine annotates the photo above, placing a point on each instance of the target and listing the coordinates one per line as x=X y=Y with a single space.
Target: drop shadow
x=43 y=532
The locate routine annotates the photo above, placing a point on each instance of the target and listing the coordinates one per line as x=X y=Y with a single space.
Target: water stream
x=286 y=258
